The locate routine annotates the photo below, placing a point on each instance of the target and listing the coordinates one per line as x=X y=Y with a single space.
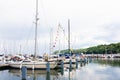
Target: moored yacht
x=33 y=63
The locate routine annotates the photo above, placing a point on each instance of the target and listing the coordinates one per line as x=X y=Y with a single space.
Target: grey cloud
x=14 y=32
x=112 y=32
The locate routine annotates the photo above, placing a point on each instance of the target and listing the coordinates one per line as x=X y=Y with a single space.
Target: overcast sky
x=92 y=22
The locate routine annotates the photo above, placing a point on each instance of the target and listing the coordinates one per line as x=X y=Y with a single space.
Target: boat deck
x=3 y=65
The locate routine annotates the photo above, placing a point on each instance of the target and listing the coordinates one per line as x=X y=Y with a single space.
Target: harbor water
x=96 y=70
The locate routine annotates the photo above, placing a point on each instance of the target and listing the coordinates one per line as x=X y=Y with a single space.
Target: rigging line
x=28 y=38
x=56 y=38
x=51 y=40
x=58 y=35
x=44 y=13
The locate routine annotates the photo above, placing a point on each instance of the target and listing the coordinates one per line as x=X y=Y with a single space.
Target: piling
x=81 y=64
x=70 y=67
x=48 y=76
x=90 y=60
x=62 y=64
x=62 y=67
x=70 y=63
x=81 y=60
x=85 y=60
x=76 y=64
x=48 y=67
x=24 y=71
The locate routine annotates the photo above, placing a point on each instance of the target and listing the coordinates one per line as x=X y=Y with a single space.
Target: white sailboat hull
x=33 y=65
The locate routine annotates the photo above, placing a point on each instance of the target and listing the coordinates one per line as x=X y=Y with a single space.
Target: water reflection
x=70 y=73
x=65 y=73
x=111 y=62
x=93 y=71
x=48 y=76
x=36 y=74
x=98 y=69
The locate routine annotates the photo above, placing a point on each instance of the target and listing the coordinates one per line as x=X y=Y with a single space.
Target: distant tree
x=100 y=49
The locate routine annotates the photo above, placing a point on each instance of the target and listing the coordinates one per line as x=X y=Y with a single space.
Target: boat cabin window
x=26 y=61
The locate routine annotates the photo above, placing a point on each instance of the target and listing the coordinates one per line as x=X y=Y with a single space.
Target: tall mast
x=59 y=36
x=69 y=37
x=51 y=40
x=36 y=23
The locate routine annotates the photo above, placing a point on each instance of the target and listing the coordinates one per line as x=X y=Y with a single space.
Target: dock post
x=48 y=67
x=81 y=64
x=62 y=67
x=70 y=63
x=48 y=76
x=90 y=60
x=70 y=67
x=76 y=63
x=81 y=60
x=62 y=64
x=85 y=60
x=24 y=71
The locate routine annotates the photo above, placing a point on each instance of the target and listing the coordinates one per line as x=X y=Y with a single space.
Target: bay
x=96 y=70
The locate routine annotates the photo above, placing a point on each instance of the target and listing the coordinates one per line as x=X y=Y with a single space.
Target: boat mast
x=69 y=37
x=51 y=41
x=59 y=36
x=36 y=24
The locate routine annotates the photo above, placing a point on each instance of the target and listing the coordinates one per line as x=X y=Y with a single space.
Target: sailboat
x=33 y=63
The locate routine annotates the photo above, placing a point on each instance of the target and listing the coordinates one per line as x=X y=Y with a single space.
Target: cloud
x=110 y=33
x=97 y=72
x=14 y=32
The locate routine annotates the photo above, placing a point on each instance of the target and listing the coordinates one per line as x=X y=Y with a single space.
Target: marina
x=59 y=40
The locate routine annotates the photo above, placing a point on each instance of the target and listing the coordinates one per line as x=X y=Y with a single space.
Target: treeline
x=113 y=48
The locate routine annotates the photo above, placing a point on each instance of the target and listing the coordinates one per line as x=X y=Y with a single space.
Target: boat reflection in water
x=56 y=74
x=37 y=74
x=96 y=70
x=111 y=62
